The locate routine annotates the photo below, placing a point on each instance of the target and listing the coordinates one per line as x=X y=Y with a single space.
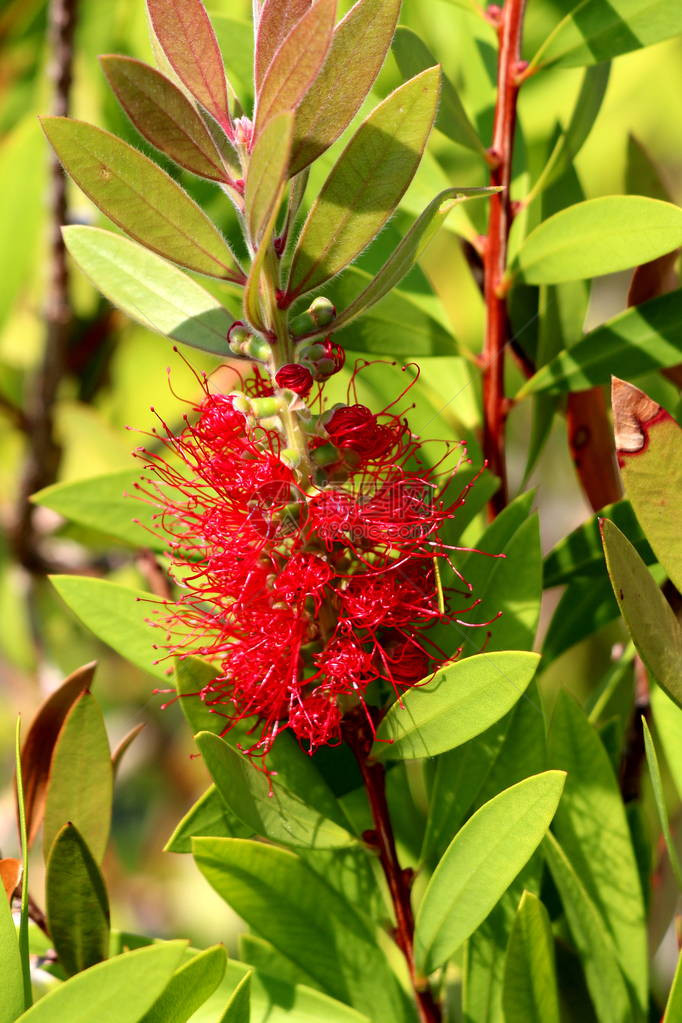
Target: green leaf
x=117 y=615
x=282 y=899
x=366 y=184
x=403 y=258
x=530 y=989
x=655 y=630
x=190 y=986
x=80 y=787
x=570 y=142
x=12 y=1002
x=185 y=34
x=36 y=754
x=265 y=958
x=295 y=64
x=673 y=1009
x=599 y=236
x=649 y=449
x=593 y=831
x=337 y=93
x=594 y=31
x=208 y=818
x=659 y=799
x=105 y=503
x=643 y=338
x=238 y=1009
x=276 y=20
x=150 y=290
x=462 y=701
x=268 y=808
x=413 y=56
x=581 y=552
x=118 y=991
x=267 y=174
x=593 y=943
x=140 y=198
x=480 y=863
x=164 y=116
x=668 y=721
x=586 y=605
x=77 y=903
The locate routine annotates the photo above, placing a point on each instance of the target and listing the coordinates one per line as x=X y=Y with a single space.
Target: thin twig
x=510 y=27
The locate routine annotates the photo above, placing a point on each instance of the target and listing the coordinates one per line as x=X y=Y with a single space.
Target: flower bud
x=242 y=342
x=323 y=358
x=295 y=378
x=319 y=314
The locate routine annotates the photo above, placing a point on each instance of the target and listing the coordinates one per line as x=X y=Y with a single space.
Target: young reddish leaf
x=337 y=93
x=296 y=63
x=277 y=19
x=77 y=903
x=366 y=184
x=164 y=116
x=141 y=198
x=649 y=448
x=186 y=36
x=81 y=778
x=267 y=174
x=40 y=741
x=10 y=875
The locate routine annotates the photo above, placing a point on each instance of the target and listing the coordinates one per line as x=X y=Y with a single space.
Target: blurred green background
x=117 y=370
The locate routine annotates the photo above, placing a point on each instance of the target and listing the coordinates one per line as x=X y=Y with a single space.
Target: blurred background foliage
x=117 y=370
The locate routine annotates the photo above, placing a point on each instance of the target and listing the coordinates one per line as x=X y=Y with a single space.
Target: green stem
x=23 y=922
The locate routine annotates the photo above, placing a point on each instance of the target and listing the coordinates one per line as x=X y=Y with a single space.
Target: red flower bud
x=324 y=358
x=355 y=428
x=295 y=378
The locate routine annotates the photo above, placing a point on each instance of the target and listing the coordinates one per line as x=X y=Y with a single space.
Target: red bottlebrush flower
x=303 y=594
x=296 y=378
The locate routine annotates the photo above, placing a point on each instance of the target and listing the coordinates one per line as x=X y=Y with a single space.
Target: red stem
x=510 y=28
x=399 y=881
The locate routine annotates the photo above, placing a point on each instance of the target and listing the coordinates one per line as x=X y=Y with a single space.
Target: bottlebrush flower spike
x=304 y=595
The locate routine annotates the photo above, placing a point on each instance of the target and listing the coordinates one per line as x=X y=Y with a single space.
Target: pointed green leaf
x=461 y=701
x=105 y=503
x=655 y=630
x=337 y=93
x=649 y=449
x=265 y=958
x=480 y=863
x=593 y=943
x=586 y=605
x=405 y=255
x=119 y=990
x=267 y=173
x=164 y=116
x=12 y=1001
x=366 y=184
x=668 y=722
x=530 y=988
x=238 y=1009
x=659 y=799
x=185 y=34
x=140 y=198
x=76 y=902
x=276 y=20
x=413 y=56
x=208 y=818
x=295 y=64
x=150 y=290
x=673 y=1009
x=581 y=552
x=267 y=807
x=643 y=338
x=118 y=616
x=594 y=31
x=599 y=236
x=80 y=786
x=593 y=831
x=286 y=902
x=190 y=986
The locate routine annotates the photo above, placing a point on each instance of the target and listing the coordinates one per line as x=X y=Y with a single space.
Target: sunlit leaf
x=275 y=22
x=76 y=902
x=460 y=702
x=599 y=236
x=530 y=988
x=141 y=198
x=659 y=799
x=337 y=93
x=80 y=786
x=11 y=985
x=480 y=863
x=673 y=1009
x=366 y=184
x=208 y=818
x=238 y=1009
x=267 y=173
x=190 y=986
